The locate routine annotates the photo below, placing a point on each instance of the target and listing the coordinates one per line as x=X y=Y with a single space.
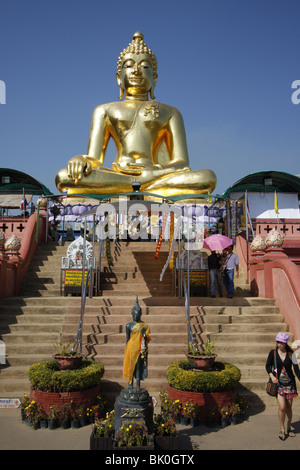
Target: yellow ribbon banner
x=171 y=264
x=161 y=236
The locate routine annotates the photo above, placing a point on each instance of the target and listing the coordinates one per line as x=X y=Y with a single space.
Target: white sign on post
x=9 y=403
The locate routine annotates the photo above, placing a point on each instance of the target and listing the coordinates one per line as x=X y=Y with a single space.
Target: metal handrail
x=190 y=336
x=89 y=277
x=78 y=341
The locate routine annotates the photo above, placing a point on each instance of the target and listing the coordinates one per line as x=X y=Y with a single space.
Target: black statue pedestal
x=134 y=405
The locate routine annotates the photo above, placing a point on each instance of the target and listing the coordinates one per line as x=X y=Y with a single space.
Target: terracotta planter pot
x=67 y=362
x=201 y=362
x=205 y=401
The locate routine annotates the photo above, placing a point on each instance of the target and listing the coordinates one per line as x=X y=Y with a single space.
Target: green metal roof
x=266 y=181
x=19 y=181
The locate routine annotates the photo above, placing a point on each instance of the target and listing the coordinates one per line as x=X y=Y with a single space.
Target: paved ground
x=258 y=432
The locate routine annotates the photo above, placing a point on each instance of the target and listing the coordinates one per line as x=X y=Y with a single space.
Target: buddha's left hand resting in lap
x=149 y=136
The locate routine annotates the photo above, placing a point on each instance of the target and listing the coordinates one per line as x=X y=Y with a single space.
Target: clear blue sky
x=227 y=65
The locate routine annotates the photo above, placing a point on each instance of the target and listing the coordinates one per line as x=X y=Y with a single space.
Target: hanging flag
x=24 y=202
x=64 y=194
x=276 y=203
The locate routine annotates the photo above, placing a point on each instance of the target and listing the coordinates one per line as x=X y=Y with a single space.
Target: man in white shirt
x=231 y=264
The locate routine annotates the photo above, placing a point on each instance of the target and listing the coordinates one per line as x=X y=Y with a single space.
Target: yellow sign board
x=73 y=277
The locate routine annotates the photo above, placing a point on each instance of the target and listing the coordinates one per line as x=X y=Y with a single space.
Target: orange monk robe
x=133 y=349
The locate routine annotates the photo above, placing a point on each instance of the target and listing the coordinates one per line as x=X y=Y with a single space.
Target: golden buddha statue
x=149 y=136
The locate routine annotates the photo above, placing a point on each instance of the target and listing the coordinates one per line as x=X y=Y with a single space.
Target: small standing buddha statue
x=149 y=136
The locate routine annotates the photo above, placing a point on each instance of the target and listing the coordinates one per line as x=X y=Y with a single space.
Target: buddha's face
x=137 y=73
x=136 y=315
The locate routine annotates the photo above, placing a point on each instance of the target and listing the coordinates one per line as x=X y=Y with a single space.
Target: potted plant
x=225 y=415
x=164 y=402
x=99 y=410
x=24 y=403
x=74 y=417
x=66 y=357
x=42 y=416
x=165 y=434
x=64 y=415
x=241 y=401
x=168 y=406
x=133 y=436
x=53 y=417
x=93 y=413
x=175 y=409
x=102 y=433
x=190 y=410
x=31 y=414
x=82 y=415
x=201 y=357
x=234 y=413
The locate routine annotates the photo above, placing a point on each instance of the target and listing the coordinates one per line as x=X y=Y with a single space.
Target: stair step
x=31 y=337
x=230 y=338
x=239 y=319
x=252 y=327
x=30 y=328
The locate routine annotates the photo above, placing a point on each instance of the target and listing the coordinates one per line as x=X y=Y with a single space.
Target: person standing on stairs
x=231 y=263
x=214 y=274
x=283 y=375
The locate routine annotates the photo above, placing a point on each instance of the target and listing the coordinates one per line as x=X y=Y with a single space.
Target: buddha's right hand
x=78 y=166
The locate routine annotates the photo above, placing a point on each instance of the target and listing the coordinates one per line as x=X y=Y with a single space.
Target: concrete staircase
x=243 y=328
x=31 y=324
x=244 y=332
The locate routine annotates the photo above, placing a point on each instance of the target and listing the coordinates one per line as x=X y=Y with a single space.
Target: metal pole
x=188 y=282
x=82 y=282
x=247 y=231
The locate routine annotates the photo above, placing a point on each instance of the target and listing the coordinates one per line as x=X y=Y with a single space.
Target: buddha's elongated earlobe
x=152 y=88
x=121 y=93
x=151 y=93
x=120 y=86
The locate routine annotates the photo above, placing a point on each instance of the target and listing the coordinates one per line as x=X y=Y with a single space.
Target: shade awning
x=12 y=201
